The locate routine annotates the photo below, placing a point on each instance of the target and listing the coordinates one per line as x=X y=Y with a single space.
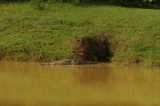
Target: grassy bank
x=48 y=35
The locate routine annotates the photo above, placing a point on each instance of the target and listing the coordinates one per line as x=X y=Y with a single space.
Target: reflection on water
x=87 y=76
x=89 y=85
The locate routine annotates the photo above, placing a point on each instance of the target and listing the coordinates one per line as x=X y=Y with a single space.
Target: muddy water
x=29 y=84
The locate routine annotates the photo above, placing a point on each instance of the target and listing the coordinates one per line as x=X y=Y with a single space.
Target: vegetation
x=48 y=34
x=130 y=3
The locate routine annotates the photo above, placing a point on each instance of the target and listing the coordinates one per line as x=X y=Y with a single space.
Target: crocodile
x=69 y=62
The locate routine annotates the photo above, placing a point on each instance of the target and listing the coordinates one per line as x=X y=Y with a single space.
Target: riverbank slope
x=48 y=35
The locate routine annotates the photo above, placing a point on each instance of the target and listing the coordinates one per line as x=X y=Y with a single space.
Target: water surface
x=29 y=84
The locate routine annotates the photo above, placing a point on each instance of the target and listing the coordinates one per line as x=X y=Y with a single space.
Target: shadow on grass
x=106 y=3
x=13 y=1
x=96 y=3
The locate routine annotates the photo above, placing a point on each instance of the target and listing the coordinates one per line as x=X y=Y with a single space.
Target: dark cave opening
x=93 y=48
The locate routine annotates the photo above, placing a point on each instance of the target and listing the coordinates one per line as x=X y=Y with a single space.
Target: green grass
x=48 y=35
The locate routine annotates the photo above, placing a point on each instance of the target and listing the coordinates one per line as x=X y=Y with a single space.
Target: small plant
x=55 y=1
x=39 y=4
x=76 y=2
